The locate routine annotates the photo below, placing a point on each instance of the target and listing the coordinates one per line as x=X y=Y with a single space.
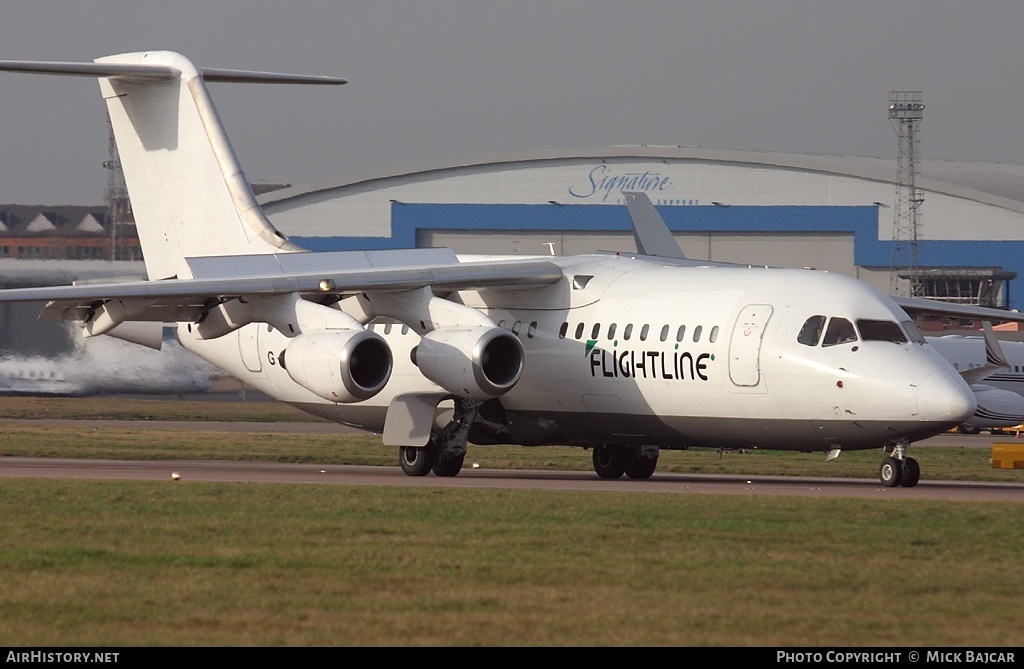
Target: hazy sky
x=438 y=80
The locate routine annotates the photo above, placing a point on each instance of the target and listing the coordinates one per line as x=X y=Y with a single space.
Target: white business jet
x=995 y=372
x=624 y=354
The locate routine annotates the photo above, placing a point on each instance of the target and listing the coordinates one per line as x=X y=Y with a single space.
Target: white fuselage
x=628 y=350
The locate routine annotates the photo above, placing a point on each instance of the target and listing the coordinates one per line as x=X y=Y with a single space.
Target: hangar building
x=765 y=208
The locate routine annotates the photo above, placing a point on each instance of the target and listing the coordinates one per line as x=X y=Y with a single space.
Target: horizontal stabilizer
x=140 y=72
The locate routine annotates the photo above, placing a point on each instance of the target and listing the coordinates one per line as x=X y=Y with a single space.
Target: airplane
x=620 y=353
x=995 y=371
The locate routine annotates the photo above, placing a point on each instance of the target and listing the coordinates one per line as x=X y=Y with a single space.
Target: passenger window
x=680 y=333
x=810 y=333
x=611 y=331
x=532 y=330
x=664 y=333
x=881 y=331
x=596 y=331
x=387 y=328
x=516 y=326
x=628 y=332
x=643 y=332
x=501 y=323
x=840 y=331
x=405 y=329
x=696 y=332
x=714 y=335
x=579 y=331
x=562 y=330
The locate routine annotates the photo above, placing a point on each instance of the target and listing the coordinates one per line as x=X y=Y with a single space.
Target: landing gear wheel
x=891 y=472
x=640 y=467
x=417 y=461
x=911 y=473
x=968 y=429
x=610 y=460
x=450 y=466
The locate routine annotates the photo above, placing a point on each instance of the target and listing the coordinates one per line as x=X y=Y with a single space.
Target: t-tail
x=189 y=195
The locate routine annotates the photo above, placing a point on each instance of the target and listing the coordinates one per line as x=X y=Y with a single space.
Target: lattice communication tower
x=906 y=108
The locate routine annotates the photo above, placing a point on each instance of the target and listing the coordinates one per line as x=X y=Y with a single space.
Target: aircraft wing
x=218 y=279
x=920 y=305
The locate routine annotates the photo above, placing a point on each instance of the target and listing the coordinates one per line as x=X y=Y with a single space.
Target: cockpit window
x=911 y=329
x=881 y=331
x=810 y=333
x=839 y=331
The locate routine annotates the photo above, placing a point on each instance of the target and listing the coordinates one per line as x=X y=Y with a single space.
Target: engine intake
x=473 y=363
x=340 y=366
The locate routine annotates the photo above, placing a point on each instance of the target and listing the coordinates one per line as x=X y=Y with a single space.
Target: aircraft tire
x=890 y=472
x=968 y=429
x=417 y=461
x=911 y=473
x=610 y=460
x=641 y=468
x=449 y=467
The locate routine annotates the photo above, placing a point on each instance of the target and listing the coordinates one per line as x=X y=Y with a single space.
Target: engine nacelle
x=339 y=365
x=473 y=363
x=996 y=407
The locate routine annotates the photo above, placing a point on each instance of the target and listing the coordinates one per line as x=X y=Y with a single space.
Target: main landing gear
x=446 y=451
x=611 y=461
x=899 y=470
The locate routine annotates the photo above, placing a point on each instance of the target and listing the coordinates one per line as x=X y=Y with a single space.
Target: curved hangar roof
x=833 y=212
x=993 y=184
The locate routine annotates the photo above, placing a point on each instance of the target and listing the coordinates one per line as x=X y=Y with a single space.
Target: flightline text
x=649 y=364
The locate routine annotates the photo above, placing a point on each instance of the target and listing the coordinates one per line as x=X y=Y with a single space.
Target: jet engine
x=340 y=365
x=474 y=363
x=996 y=407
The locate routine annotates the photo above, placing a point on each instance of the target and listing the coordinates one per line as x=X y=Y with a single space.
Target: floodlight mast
x=906 y=109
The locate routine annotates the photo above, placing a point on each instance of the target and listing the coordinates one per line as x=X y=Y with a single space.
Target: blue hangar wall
x=407 y=219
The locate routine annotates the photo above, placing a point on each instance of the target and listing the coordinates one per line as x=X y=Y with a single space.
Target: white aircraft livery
x=624 y=354
x=995 y=372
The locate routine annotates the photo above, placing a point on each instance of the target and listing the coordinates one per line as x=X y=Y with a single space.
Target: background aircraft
x=995 y=372
x=622 y=354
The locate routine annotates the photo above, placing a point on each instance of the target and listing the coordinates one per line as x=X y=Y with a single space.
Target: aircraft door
x=248 y=347
x=745 y=344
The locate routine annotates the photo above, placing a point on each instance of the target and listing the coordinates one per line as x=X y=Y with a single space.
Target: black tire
x=641 y=468
x=610 y=460
x=891 y=472
x=450 y=466
x=417 y=461
x=911 y=473
x=968 y=429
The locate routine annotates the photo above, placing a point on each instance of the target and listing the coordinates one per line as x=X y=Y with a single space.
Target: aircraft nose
x=944 y=397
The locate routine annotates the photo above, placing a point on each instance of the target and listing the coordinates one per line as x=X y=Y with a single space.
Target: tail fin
x=188 y=193
x=652 y=236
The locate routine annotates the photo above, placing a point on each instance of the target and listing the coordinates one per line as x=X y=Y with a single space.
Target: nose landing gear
x=899 y=470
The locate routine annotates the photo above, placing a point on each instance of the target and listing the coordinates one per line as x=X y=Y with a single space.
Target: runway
x=664 y=483
x=262 y=472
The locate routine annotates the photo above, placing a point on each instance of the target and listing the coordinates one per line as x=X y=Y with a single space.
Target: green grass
x=124 y=563
x=141 y=443
x=153 y=563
